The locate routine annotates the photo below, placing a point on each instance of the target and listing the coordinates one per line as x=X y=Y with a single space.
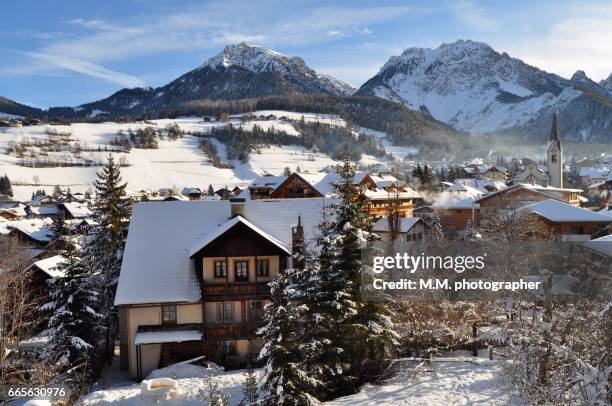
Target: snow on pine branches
x=321 y=332
x=106 y=241
x=286 y=380
x=75 y=326
x=82 y=326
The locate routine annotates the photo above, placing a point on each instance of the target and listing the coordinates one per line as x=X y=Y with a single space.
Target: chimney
x=297 y=244
x=237 y=206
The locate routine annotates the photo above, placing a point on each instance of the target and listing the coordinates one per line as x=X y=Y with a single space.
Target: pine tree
x=250 y=386
x=75 y=325
x=111 y=204
x=436 y=227
x=418 y=172
x=348 y=331
x=212 y=394
x=58 y=227
x=428 y=177
x=287 y=171
x=285 y=381
x=105 y=242
x=210 y=191
x=57 y=193
x=5 y=186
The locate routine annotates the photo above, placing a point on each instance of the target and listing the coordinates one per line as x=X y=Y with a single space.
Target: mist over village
x=260 y=203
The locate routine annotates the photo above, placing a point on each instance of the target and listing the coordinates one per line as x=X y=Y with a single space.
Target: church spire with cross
x=555 y=155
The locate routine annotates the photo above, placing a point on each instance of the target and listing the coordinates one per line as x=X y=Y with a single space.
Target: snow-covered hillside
x=469 y=85
x=179 y=163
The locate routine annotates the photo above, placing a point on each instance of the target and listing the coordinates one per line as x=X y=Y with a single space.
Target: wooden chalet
x=555 y=220
x=381 y=191
x=520 y=195
x=294 y=187
x=202 y=285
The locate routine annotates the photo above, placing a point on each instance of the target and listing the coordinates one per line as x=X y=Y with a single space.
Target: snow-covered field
x=179 y=163
x=459 y=380
x=192 y=385
x=462 y=380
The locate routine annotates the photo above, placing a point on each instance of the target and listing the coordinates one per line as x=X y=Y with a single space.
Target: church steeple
x=554 y=131
x=555 y=155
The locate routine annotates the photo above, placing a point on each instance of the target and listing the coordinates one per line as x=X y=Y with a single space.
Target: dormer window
x=553 y=157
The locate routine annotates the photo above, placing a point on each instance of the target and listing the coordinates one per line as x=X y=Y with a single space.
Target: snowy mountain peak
x=258 y=59
x=607 y=84
x=250 y=57
x=472 y=87
x=580 y=76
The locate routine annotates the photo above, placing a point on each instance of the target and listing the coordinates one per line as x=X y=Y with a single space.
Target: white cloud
x=336 y=34
x=235 y=37
x=473 y=16
x=88 y=69
x=93 y=24
x=569 y=45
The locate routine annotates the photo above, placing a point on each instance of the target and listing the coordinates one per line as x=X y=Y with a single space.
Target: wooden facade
x=294 y=187
x=238 y=245
x=544 y=229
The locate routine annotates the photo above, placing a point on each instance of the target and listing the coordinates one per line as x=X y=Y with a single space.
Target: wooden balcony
x=230 y=331
x=235 y=290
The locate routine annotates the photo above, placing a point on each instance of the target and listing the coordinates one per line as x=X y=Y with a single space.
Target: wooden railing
x=238 y=330
x=236 y=289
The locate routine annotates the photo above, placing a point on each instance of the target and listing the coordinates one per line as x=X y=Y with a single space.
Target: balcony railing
x=236 y=289
x=233 y=331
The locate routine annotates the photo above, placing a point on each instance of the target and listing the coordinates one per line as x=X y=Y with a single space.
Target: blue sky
x=65 y=52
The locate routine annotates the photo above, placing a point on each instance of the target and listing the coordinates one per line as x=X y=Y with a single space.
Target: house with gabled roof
x=553 y=219
x=194 y=278
x=380 y=190
x=515 y=197
x=75 y=210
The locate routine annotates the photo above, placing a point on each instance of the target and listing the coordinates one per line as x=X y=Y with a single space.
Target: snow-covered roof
x=78 y=210
x=44 y=210
x=268 y=181
x=483 y=185
x=157 y=266
x=15 y=211
x=219 y=231
x=381 y=194
x=549 y=191
x=557 y=211
x=459 y=196
x=601 y=244
x=36 y=229
x=49 y=266
x=541 y=188
x=595 y=172
x=168 y=336
x=382 y=225
x=191 y=190
x=323 y=182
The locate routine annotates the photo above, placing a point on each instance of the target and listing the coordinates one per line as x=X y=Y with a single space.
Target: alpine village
x=265 y=277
